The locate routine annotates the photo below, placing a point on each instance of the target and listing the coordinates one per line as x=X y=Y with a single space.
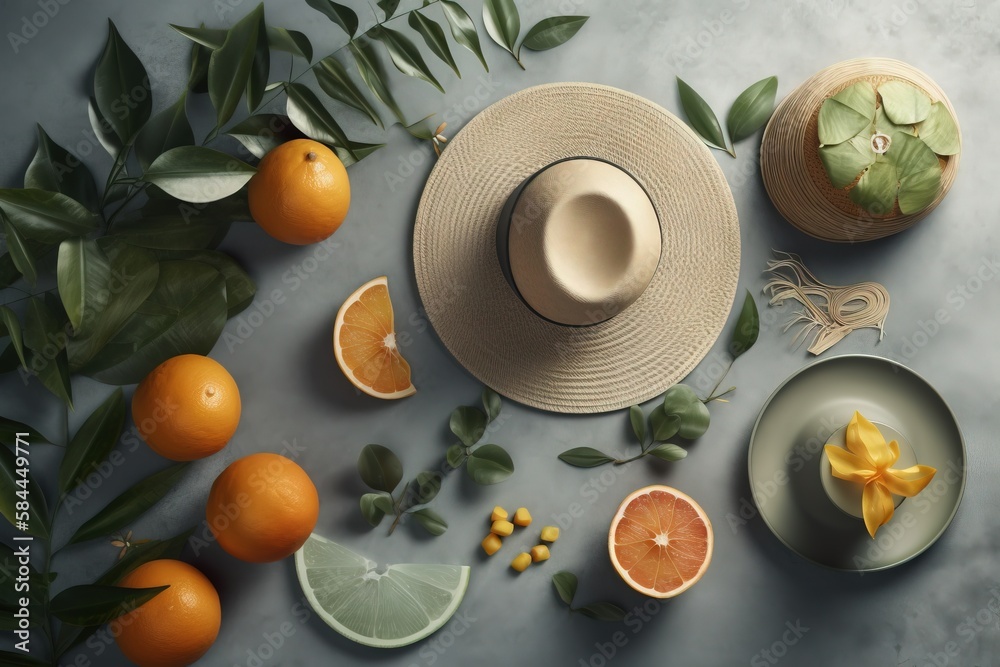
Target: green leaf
x=20 y=252
x=210 y=38
x=503 y=22
x=435 y=39
x=57 y=170
x=49 y=217
x=9 y=476
x=93 y=442
x=940 y=132
x=430 y=520
x=121 y=87
x=489 y=464
x=389 y=7
x=491 y=403
x=261 y=69
x=240 y=288
x=10 y=428
x=752 y=109
x=405 y=55
x=667 y=452
x=335 y=82
x=846 y=114
x=370 y=509
x=885 y=126
x=747 y=328
x=197 y=174
x=910 y=155
x=290 y=41
x=93 y=604
x=130 y=505
x=374 y=77
x=681 y=401
x=231 y=65
x=565 y=584
x=103 y=131
x=309 y=115
x=19 y=659
x=876 y=190
x=188 y=227
x=46 y=338
x=904 y=104
x=463 y=29
x=380 y=468
x=426 y=486
x=918 y=190
x=701 y=117
x=844 y=161
x=456 y=456
x=552 y=32
x=136 y=271
x=468 y=424
x=664 y=426
x=13 y=327
x=264 y=132
x=585 y=457
x=83 y=275
x=168 y=129
x=340 y=14
x=602 y=611
x=184 y=314
x=141 y=554
x=638 y=420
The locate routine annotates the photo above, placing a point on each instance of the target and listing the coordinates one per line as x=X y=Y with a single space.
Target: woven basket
x=795 y=177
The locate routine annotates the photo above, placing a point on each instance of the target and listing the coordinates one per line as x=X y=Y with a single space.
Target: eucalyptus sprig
x=749 y=112
x=382 y=471
x=682 y=413
x=503 y=24
x=566 y=584
x=66 y=619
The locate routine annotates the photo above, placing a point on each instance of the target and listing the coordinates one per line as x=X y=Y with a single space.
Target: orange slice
x=660 y=541
x=364 y=341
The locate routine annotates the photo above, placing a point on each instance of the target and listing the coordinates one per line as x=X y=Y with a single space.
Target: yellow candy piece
x=492 y=544
x=502 y=528
x=550 y=534
x=499 y=514
x=521 y=562
x=522 y=517
x=539 y=553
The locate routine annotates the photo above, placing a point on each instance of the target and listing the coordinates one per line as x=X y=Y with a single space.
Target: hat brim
x=639 y=352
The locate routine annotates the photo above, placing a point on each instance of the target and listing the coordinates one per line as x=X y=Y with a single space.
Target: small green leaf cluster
x=81 y=609
x=749 y=113
x=885 y=143
x=503 y=24
x=566 y=584
x=382 y=471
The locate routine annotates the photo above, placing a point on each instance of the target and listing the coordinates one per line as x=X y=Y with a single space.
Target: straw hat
x=794 y=175
x=577 y=248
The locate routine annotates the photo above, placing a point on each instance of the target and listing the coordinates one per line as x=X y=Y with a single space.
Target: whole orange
x=177 y=626
x=187 y=408
x=300 y=193
x=262 y=508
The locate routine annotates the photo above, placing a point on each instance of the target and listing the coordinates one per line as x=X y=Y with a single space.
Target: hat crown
x=583 y=243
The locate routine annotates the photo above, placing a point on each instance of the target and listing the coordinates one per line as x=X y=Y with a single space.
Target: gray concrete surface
x=939 y=609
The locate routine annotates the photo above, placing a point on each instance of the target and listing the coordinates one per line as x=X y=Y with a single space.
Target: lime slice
x=382 y=607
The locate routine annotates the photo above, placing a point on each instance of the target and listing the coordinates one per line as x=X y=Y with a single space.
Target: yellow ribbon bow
x=866 y=460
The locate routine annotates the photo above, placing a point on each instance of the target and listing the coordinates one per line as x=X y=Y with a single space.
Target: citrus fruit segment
x=364 y=342
x=176 y=627
x=381 y=607
x=187 y=408
x=660 y=541
x=300 y=193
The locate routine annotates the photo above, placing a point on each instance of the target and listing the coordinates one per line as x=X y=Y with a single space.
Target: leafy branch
x=566 y=584
x=382 y=471
x=682 y=413
x=748 y=114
